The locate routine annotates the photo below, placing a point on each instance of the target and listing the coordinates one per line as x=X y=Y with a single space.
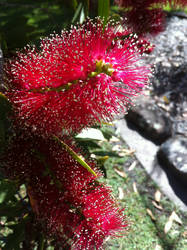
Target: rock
x=180 y=127
x=170 y=63
x=173 y=155
x=149 y=120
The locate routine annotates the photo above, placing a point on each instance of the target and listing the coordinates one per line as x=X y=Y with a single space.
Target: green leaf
x=2 y=136
x=11 y=211
x=8 y=190
x=78 y=158
x=82 y=15
x=74 y=4
x=5 y=110
x=91 y=133
x=86 y=7
x=5 y=106
x=77 y=12
x=14 y=239
x=81 y=11
x=103 y=8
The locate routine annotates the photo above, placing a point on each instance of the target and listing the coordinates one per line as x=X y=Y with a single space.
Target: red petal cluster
x=146 y=16
x=146 y=21
x=70 y=82
x=148 y=3
x=142 y=45
x=76 y=208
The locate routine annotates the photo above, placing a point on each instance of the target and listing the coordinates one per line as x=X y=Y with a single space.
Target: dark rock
x=180 y=127
x=180 y=14
x=149 y=120
x=173 y=155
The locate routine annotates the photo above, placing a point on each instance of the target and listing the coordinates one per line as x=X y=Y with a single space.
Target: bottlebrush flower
x=142 y=45
x=69 y=201
x=149 y=3
x=76 y=79
x=145 y=21
x=146 y=16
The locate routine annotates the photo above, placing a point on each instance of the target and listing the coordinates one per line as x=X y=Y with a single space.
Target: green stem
x=41 y=243
x=78 y=158
x=58 y=89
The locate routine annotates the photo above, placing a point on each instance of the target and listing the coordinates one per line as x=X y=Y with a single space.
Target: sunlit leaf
x=166 y=100
x=151 y=214
x=158 y=247
x=132 y=166
x=157 y=196
x=114 y=139
x=175 y=217
x=91 y=133
x=135 y=187
x=121 y=193
x=120 y=172
x=157 y=205
x=168 y=226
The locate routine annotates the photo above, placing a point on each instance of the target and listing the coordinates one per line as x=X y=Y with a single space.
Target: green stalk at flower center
x=102 y=67
x=57 y=89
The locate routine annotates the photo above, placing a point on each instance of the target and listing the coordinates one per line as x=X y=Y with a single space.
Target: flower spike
x=70 y=83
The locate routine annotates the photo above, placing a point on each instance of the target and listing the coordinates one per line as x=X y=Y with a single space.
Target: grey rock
x=180 y=127
x=146 y=152
x=149 y=120
x=169 y=59
x=173 y=155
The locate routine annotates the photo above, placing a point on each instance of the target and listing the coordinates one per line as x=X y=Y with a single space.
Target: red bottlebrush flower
x=146 y=16
x=71 y=82
x=145 y=21
x=142 y=45
x=68 y=200
x=148 y=3
x=136 y=4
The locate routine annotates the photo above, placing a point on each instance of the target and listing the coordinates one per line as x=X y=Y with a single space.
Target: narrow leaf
x=120 y=172
x=5 y=106
x=157 y=205
x=175 y=217
x=157 y=196
x=103 y=8
x=135 y=187
x=132 y=166
x=168 y=226
x=77 y=12
x=74 y=4
x=121 y=193
x=78 y=158
x=82 y=15
x=151 y=214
